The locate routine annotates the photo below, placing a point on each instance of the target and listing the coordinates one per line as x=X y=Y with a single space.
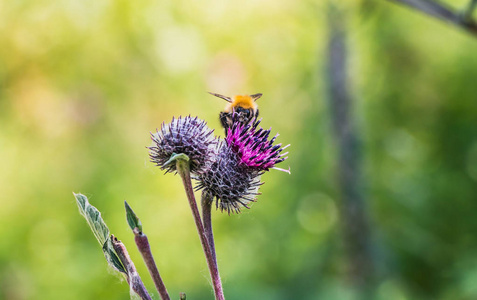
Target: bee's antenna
x=228 y=99
x=255 y=97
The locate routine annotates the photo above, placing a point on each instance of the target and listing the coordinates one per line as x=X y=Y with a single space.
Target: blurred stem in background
x=353 y=209
x=440 y=11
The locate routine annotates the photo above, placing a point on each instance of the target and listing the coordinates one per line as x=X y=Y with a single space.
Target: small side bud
x=133 y=221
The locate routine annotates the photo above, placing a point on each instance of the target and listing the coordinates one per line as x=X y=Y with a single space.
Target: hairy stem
x=145 y=249
x=133 y=277
x=184 y=171
x=206 y=203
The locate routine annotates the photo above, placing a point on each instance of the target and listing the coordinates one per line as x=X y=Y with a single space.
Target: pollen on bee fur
x=244 y=101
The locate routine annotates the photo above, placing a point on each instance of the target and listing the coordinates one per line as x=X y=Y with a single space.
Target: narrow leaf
x=132 y=218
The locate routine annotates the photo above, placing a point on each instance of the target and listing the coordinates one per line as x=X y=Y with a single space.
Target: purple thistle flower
x=187 y=135
x=252 y=145
x=245 y=154
x=231 y=183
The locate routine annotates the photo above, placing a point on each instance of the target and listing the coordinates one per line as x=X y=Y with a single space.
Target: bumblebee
x=242 y=105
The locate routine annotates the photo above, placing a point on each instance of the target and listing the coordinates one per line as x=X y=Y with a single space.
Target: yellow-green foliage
x=82 y=83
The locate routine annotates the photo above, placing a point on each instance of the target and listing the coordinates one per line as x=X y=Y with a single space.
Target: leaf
x=131 y=217
x=175 y=157
x=100 y=231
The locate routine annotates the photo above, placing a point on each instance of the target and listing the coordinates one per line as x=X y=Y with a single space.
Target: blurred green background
x=82 y=83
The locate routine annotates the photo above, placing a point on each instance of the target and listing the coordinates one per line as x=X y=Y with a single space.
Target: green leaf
x=93 y=217
x=175 y=157
x=131 y=217
x=100 y=231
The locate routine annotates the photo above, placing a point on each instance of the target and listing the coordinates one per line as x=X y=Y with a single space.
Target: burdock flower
x=245 y=154
x=230 y=182
x=187 y=135
x=252 y=145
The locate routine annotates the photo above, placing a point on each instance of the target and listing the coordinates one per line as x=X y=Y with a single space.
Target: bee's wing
x=255 y=97
x=228 y=99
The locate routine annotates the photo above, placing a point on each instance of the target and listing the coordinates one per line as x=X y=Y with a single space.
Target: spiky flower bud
x=231 y=183
x=187 y=135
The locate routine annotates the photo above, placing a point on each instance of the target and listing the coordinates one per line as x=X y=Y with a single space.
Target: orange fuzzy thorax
x=243 y=101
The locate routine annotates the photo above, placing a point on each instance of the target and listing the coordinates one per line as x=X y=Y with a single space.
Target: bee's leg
x=256 y=115
x=224 y=121
x=248 y=118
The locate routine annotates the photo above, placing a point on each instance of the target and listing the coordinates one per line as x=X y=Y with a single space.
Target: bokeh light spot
x=317 y=213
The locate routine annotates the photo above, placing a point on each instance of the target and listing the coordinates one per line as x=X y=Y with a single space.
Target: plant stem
x=206 y=203
x=142 y=244
x=184 y=171
x=467 y=13
x=441 y=11
x=145 y=249
x=133 y=277
x=357 y=234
